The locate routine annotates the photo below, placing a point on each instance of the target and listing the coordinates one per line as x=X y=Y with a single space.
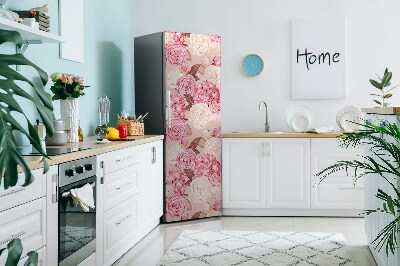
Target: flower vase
x=69 y=109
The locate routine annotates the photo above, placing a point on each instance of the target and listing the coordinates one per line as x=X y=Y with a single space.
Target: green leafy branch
x=383 y=83
x=383 y=160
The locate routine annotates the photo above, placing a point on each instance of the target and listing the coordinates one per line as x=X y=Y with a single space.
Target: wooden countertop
x=95 y=149
x=280 y=135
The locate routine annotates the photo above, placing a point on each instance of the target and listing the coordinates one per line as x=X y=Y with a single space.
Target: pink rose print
x=177 y=180
x=175 y=54
x=216 y=61
x=207 y=92
x=186 y=160
x=215 y=180
x=177 y=129
x=215 y=40
x=185 y=85
x=171 y=176
x=217 y=132
x=180 y=37
x=208 y=165
x=176 y=205
x=217 y=205
x=178 y=107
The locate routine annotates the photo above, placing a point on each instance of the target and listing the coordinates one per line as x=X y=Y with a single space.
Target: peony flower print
x=213 y=147
x=200 y=115
x=175 y=54
x=215 y=41
x=185 y=85
x=172 y=77
x=207 y=165
x=200 y=190
x=217 y=132
x=216 y=61
x=200 y=44
x=176 y=205
x=176 y=130
x=186 y=160
x=212 y=74
x=178 y=107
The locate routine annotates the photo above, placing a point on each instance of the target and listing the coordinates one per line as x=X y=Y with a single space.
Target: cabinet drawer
x=28 y=222
x=120 y=230
x=41 y=258
x=120 y=186
x=119 y=159
x=18 y=195
x=338 y=196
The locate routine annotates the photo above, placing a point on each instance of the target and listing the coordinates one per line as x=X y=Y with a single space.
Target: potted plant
x=10 y=157
x=383 y=161
x=382 y=85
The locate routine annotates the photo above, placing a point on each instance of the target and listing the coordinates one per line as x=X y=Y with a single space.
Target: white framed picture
x=319 y=59
x=71 y=29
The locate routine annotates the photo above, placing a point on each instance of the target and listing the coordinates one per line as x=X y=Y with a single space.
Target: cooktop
x=27 y=151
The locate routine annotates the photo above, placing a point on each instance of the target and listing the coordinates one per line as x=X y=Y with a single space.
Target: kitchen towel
x=83 y=196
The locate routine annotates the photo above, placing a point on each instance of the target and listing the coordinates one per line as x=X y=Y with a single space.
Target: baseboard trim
x=292 y=212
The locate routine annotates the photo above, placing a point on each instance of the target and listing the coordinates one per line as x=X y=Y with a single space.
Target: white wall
x=263 y=27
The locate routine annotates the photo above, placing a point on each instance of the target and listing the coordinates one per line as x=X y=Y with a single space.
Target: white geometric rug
x=220 y=248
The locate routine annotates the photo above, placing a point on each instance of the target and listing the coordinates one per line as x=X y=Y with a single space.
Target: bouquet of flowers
x=67 y=86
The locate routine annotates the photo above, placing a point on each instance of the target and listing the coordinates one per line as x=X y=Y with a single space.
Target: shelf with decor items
x=30 y=34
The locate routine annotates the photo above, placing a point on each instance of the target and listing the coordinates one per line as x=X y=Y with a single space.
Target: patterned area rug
x=219 y=247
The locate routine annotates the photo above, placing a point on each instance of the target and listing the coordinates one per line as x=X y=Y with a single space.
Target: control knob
x=80 y=169
x=70 y=172
x=89 y=167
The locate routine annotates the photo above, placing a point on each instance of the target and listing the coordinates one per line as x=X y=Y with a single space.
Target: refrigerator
x=177 y=80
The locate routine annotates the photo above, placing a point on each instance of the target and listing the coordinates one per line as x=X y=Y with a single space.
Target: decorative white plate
x=346 y=116
x=299 y=117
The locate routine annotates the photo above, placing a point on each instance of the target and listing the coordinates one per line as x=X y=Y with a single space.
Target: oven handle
x=54 y=196
x=67 y=194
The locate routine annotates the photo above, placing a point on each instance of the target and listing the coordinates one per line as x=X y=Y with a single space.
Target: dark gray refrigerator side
x=149 y=81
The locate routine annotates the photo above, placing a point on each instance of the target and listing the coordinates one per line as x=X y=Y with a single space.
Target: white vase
x=69 y=109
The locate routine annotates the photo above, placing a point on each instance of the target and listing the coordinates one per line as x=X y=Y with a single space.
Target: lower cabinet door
x=120 y=229
x=337 y=191
x=27 y=222
x=244 y=173
x=288 y=173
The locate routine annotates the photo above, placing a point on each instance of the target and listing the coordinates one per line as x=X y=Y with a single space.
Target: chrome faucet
x=266 y=114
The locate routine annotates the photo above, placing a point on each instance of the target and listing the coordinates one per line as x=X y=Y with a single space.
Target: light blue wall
x=108 y=57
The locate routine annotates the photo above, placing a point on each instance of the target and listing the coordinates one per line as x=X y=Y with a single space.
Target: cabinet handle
x=168 y=109
x=123 y=186
x=350 y=187
x=263 y=149
x=154 y=151
x=104 y=172
x=54 y=196
x=12 y=237
x=123 y=159
x=123 y=220
x=13 y=192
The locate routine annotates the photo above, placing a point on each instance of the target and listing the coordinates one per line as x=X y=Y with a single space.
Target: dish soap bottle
x=80 y=133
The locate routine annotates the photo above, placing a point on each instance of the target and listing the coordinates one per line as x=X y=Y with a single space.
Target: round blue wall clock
x=252 y=65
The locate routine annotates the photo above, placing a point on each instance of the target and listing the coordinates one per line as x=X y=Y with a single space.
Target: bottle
x=80 y=133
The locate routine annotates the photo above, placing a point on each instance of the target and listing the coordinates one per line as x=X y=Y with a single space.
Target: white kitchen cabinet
x=52 y=215
x=338 y=190
x=119 y=228
x=27 y=222
x=288 y=173
x=150 y=183
x=19 y=194
x=276 y=177
x=244 y=168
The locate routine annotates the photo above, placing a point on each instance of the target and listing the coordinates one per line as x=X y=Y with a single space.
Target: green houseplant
x=383 y=160
x=382 y=85
x=10 y=157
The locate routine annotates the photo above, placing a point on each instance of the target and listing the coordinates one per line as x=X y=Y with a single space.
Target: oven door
x=77 y=228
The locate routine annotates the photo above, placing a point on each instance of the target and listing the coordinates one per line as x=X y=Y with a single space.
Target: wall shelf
x=29 y=33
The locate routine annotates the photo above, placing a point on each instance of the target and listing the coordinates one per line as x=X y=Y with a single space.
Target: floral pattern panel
x=193 y=138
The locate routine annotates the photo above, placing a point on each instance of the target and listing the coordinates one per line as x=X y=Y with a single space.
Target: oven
x=76 y=225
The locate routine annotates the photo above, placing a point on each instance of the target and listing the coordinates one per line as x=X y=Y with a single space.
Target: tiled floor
x=150 y=250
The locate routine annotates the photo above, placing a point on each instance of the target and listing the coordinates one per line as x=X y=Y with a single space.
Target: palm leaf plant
x=10 y=156
x=383 y=161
